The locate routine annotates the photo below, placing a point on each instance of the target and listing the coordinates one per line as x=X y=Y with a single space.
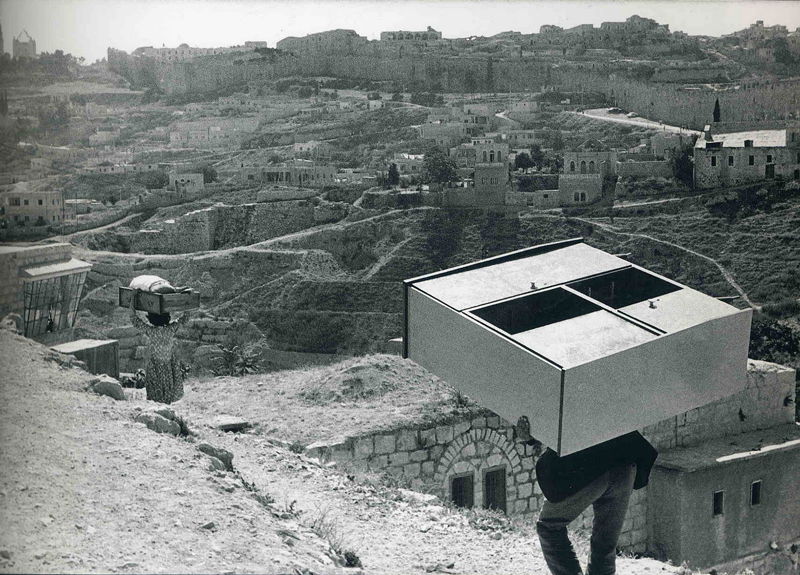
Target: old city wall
x=668 y=101
x=426 y=458
x=690 y=106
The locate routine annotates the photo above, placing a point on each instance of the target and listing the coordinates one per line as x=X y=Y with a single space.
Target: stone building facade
x=23 y=46
x=474 y=453
x=404 y=36
x=25 y=211
x=744 y=157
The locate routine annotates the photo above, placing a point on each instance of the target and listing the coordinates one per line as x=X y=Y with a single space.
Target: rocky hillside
x=335 y=287
x=91 y=484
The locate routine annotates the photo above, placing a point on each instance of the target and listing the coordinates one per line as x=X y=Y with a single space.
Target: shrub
x=236 y=360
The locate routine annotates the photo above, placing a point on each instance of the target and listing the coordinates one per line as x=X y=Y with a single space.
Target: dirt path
x=394 y=532
x=84 y=488
x=85 y=252
x=614 y=230
x=603 y=115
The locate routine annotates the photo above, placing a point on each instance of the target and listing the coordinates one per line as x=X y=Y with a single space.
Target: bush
x=236 y=360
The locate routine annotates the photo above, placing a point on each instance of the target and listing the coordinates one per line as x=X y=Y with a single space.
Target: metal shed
x=584 y=344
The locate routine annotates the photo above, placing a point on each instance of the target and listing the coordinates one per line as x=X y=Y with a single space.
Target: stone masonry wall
x=426 y=458
x=656 y=168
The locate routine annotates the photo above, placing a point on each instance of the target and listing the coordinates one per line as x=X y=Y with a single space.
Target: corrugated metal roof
x=55 y=270
x=760 y=138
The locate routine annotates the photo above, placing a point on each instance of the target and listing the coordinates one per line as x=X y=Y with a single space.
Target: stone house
x=444 y=134
x=187 y=183
x=408 y=164
x=302 y=173
x=478 y=460
x=28 y=210
x=743 y=157
x=591 y=157
x=579 y=189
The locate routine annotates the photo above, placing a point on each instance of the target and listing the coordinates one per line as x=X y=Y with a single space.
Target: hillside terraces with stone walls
x=222 y=226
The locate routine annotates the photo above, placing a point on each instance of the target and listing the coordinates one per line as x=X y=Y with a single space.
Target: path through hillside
x=392 y=532
x=614 y=230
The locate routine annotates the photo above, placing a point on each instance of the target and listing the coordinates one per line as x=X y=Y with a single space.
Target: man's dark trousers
x=608 y=495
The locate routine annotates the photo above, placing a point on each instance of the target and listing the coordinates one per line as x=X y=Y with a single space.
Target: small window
x=583 y=196
x=25 y=202
x=713 y=160
x=719 y=502
x=462 y=491
x=751 y=160
x=494 y=486
x=575 y=197
x=40 y=202
x=545 y=196
x=769 y=158
x=755 y=493
x=730 y=160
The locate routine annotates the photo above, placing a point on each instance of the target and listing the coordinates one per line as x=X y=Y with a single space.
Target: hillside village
x=295 y=188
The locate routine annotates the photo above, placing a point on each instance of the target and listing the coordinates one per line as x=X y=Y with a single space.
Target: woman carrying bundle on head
x=163 y=375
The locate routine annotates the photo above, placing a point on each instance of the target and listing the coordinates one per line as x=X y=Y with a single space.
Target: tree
x=394 y=175
x=716 y=116
x=682 y=166
x=523 y=161
x=397 y=97
x=537 y=156
x=438 y=167
x=4 y=104
x=209 y=174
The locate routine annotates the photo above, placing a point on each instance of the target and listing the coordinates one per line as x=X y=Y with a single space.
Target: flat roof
x=730 y=449
x=760 y=138
x=72 y=266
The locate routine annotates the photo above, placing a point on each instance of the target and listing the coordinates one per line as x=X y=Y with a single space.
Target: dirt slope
x=84 y=488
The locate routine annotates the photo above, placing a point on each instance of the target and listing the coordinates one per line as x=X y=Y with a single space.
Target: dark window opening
x=719 y=502
x=462 y=491
x=494 y=488
x=730 y=160
x=713 y=160
x=769 y=158
x=755 y=493
x=752 y=160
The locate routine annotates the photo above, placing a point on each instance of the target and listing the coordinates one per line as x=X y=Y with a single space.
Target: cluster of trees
x=438 y=167
x=429 y=99
x=53 y=117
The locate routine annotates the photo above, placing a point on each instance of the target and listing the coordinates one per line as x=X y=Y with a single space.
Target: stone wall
x=223 y=226
x=656 y=168
x=197 y=341
x=427 y=457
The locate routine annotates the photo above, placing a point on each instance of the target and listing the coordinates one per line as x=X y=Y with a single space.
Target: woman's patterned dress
x=163 y=375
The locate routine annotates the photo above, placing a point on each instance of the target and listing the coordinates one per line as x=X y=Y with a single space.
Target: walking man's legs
x=552 y=527
x=608 y=494
x=609 y=515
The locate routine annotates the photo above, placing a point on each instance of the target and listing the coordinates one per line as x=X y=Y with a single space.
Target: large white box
x=584 y=344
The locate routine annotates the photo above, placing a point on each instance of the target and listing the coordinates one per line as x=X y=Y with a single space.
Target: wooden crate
x=584 y=344
x=159 y=302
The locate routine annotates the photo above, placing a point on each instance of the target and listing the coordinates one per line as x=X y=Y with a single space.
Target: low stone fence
x=655 y=169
